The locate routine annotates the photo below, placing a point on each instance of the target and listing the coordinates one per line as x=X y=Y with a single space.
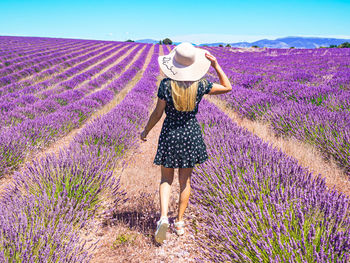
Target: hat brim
x=176 y=71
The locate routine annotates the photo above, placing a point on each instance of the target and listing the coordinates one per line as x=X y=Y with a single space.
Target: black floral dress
x=180 y=143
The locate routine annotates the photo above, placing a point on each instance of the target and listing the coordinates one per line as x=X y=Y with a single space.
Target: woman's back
x=165 y=93
x=180 y=142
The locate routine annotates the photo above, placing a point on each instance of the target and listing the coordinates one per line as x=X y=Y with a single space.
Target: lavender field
x=301 y=93
x=89 y=100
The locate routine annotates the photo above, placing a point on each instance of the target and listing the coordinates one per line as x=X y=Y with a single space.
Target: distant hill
x=285 y=42
x=312 y=42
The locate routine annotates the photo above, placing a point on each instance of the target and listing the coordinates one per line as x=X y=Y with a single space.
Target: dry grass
x=128 y=235
x=5 y=181
x=307 y=155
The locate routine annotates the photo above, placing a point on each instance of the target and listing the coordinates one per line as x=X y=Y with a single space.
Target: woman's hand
x=214 y=62
x=225 y=85
x=143 y=135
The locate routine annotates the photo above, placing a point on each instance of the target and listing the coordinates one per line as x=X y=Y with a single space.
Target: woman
x=180 y=144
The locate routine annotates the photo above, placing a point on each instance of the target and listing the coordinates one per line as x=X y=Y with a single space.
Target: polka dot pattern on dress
x=180 y=143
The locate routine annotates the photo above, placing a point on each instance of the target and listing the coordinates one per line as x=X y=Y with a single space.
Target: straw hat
x=185 y=62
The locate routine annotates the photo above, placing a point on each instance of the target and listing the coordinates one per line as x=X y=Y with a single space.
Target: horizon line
x=178 y=38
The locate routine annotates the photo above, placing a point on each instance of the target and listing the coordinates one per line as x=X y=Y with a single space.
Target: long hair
x=184 y=94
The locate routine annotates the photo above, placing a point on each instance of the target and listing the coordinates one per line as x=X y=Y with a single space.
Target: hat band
x=167 y=64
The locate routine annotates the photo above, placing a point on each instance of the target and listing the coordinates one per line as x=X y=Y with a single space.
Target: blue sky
x=195 y=21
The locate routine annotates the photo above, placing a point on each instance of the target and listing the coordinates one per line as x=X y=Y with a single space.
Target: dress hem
x=199 y=162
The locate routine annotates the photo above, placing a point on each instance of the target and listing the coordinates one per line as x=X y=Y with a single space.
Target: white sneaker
x=179 y=227
x=162 y=228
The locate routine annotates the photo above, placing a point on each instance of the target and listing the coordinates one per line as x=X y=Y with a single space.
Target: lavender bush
x=258 y=205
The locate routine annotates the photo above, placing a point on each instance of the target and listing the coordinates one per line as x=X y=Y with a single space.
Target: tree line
x=343 y=45
x=166 y=41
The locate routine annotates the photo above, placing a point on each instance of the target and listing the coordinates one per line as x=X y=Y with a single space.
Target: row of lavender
x=56 y=196
x=12 y=98
x=67 y=80
x=304 y=94
x=50 y=70
x=31 y=107
x=54 y=120
x=44 y=79
x=256 y=204
x=13 y=64
x=28 y=97
x=13 y=73
x=11 y=47
x=19 y=63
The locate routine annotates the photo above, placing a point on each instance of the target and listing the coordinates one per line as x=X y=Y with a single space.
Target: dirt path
x=307 y=155
x=169 y=48
x=128 y=235
x=65 y=141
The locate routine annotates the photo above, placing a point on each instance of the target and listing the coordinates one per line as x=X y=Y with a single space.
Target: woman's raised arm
x=225 y=85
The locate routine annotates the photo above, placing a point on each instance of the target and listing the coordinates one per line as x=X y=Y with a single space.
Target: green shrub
x=167 y=41
x=344 y=45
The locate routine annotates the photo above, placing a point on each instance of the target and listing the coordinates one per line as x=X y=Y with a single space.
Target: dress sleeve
x=161 y=90
x=207 y=86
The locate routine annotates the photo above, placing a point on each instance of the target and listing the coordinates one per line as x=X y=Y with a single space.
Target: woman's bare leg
x=185 y=190
x=164 y=189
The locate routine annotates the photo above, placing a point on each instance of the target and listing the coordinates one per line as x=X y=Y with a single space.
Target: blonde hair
x=184 y=94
